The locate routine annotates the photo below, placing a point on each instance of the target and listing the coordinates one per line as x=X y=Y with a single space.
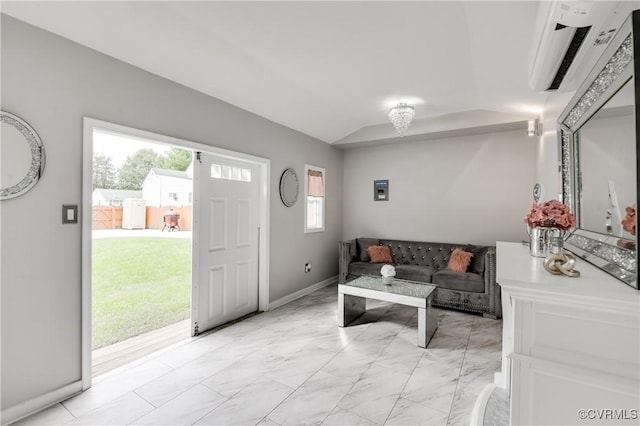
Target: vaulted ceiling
x=330 y=70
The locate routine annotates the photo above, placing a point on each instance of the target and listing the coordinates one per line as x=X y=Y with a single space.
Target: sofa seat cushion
x=461 y=281
x=364 y=268
x=414 y=273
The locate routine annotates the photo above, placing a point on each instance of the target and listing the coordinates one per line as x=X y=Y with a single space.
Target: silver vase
x=387 y=280
x=544 y=241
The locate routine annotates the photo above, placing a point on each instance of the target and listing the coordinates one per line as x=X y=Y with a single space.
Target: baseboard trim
x=32 y=406
x=301 y=293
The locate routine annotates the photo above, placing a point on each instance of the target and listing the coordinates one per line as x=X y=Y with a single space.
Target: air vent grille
x=572 y=51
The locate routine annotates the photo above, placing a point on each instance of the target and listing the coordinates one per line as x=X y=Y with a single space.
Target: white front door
x=225 y=275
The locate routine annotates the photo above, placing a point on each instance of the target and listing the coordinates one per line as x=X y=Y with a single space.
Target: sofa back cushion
x=362 y=244
x=434 y=255
x=477 y=261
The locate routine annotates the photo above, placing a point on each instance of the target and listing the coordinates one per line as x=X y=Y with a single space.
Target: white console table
x=569 y=344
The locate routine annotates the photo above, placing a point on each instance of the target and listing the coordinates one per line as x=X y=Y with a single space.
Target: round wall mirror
x=289 y=187
x=21 y=156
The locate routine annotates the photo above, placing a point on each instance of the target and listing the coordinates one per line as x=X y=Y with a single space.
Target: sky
x=119 y=147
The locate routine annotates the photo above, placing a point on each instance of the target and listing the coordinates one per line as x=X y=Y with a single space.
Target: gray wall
x=52 y=83
x=470 y=189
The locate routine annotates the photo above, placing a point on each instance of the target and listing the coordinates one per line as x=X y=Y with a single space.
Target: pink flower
x=551 y=213
x=629 y=221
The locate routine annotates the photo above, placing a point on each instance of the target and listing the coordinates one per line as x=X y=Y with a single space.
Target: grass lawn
x=139 y=285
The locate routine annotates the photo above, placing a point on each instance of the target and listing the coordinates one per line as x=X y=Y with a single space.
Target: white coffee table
x=353 y=295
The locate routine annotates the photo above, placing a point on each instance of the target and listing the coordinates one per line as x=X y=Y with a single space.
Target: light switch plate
x=69 y=213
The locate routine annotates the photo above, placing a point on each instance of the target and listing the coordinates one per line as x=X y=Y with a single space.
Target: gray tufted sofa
x=474 y=291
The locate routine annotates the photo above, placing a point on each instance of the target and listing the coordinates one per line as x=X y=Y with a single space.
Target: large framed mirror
x=599 y=133
x=21 y=156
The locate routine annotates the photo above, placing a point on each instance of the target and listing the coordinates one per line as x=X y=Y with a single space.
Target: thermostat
x=381 y=190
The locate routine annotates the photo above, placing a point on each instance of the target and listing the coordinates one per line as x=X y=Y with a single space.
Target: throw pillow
x=380 y=254
x=459 y=261
x=363 y=244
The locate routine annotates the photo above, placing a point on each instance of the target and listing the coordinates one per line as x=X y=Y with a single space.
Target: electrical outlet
x=307 y=268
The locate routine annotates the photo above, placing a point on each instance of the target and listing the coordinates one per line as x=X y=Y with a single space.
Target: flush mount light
x=401 y=116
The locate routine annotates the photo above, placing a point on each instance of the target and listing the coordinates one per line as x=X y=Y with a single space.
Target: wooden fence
x=106 y=217
x=110 y=217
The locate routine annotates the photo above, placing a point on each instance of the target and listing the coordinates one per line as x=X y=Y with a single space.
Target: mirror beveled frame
x=289 y=183
x=36 y=167
x=618 y=64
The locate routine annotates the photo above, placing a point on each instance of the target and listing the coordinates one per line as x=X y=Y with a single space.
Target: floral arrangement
x=629 y=221
x=388 y=271
x=552 y=214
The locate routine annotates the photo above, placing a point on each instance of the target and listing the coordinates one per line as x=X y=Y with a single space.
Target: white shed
x=163 y=187
x=113 y=197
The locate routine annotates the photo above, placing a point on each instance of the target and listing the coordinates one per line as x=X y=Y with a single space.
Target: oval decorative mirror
x=289 y=187
x=21 y=156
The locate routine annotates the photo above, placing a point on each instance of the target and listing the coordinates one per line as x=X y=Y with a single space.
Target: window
x=173 y=196
x=222 y=171
x=314 y=178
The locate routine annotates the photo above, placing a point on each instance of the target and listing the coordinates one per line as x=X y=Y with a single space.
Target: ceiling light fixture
x=401 y=116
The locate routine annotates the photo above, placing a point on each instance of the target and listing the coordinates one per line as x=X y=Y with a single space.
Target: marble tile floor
x=295 y=366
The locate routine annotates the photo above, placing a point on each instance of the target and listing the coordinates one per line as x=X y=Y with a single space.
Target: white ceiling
x=327 y=69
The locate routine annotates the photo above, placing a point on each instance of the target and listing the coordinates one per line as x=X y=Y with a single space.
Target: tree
x=176 y=159
x=104 y=172
x=136 y=168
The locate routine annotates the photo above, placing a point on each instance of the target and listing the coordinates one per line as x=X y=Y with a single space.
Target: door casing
x=91 y=124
